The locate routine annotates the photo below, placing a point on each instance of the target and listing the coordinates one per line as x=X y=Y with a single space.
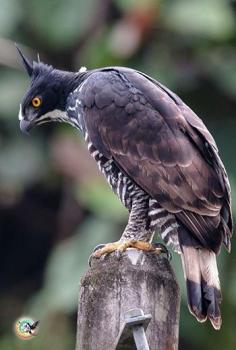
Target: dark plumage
x=158 y=157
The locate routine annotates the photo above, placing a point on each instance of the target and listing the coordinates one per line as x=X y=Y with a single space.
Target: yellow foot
x=122 y=246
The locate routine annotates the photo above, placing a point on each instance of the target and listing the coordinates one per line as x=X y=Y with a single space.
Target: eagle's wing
x=163 y=146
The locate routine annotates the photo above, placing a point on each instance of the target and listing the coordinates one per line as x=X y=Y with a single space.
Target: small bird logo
x=25 y=328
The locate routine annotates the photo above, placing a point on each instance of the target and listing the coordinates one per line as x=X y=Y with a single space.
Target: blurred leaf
x=21 y=162
x=163 y=68
x=97 y=54
x=220 y=63
x=68 y=261
x=67 y=21
x=212 y=19
x=102 y=201
x=12 y=86
x=126 y=5
x=10 y=15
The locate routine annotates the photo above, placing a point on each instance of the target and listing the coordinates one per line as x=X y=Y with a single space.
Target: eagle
x=158 y=157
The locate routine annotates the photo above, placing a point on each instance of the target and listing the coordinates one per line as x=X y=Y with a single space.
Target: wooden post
x=115 y=285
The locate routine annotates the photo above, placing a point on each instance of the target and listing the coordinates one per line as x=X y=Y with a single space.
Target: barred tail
x=202 y=281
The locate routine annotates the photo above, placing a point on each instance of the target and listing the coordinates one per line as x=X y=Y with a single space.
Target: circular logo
x=26 y=328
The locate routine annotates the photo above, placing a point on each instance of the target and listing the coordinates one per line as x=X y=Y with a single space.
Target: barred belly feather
x=127 y=190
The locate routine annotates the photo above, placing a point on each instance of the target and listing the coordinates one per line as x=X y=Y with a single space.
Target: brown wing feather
x=162 y=146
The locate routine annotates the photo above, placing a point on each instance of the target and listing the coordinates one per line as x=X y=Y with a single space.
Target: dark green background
x=54 y=205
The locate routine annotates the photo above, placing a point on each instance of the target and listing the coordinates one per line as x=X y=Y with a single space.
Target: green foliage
x=189 y=46
x=60 y=291
x=128 y=5
x=68 y=20
x=212 y=19
x=10 y=16
x=102 y=201
x=21 y=162
x=12 y=85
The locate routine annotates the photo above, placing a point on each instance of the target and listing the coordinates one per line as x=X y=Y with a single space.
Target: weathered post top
x=115 y=285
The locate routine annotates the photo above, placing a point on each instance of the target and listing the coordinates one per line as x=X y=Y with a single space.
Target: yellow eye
x=36 y=102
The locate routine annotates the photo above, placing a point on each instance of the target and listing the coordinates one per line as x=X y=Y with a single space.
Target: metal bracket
x=132 y=332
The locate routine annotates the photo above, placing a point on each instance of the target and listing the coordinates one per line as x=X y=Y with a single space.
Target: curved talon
x=163 y=250
x=108 y=248
x=99 y=246
x=119 y=247
x=90 y=260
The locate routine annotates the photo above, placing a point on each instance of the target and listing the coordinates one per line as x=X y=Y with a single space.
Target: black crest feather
x=27 y=65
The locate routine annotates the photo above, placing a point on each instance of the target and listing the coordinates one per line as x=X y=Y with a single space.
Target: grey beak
x=25 y=126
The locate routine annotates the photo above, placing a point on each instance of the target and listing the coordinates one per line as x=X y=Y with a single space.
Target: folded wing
x=162 y=146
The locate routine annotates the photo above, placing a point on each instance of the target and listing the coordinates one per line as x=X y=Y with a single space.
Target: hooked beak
x=25 y=125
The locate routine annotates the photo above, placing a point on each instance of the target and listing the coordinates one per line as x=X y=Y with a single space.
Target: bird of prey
x=158 y=157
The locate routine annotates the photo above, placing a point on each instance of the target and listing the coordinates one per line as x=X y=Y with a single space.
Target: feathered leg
x=137 y=234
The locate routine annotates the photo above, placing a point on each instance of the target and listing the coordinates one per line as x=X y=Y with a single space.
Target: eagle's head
x=46 y=97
